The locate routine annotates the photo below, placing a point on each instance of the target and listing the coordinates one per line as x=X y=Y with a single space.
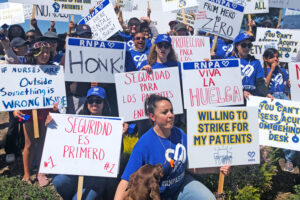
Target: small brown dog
x=144 y=183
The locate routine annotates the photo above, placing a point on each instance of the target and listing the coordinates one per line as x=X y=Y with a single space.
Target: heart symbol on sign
x=225 y=63
x=234 y=5
x=251 y=154
x=111 y=45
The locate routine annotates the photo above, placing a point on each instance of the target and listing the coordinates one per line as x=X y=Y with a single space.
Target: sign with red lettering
x=215 y=83
x=189 y=49
x=134 y=87
x=82 y=145
x=294 y=73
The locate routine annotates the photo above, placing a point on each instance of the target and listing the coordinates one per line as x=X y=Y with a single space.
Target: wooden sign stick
x=80 y=187
x=214 y=44
x=249 y=21
x=32 y=15
x=72 y=18
x=221 y=183
x=279 y=18
x=118 y=3
x=183 y=16
x=35 y=124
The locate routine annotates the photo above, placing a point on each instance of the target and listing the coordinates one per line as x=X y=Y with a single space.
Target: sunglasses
x=51 y=41
x=29 y=36
x=165 y=45
x=135 y=24
x=249 y=45
x=38 y=45
x=140 y=38
x=94 y=100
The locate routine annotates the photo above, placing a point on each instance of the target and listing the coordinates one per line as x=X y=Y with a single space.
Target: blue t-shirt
x=278 y=80
x=152 y=149
x=224 y=49
x=57 y=58
x=134 y=59
x=251 y=70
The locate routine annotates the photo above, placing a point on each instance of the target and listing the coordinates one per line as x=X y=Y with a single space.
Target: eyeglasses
x=165 y=45
x=38 y=45
x=94 y=100
x=249 y=45
x=140 y=38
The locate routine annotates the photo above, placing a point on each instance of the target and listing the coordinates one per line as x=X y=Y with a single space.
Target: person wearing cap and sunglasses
x=52 y=38
x=93 y=187
x=252 y=72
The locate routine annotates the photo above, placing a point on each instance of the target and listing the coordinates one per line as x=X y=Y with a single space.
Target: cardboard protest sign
x=26 y=87
x=169 y=5
x=254 y=6
x=278 y=122
x=189 y=19
x=294 y=75
x=284 y=4
x=212 y=83
x=82 y=145
x=191 y=48
x=27 y=10
x=228 y=136
x=259 y=48
x=93 y=60
x=11 y=13
x=222 y=18
x=134 y=87
x=43 y=12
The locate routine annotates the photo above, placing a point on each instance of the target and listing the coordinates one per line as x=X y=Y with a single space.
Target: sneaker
x=289 y=167
x=10 y=158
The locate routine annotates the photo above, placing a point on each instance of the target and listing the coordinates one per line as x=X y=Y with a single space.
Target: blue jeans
x=288 y=154
x=93 y=187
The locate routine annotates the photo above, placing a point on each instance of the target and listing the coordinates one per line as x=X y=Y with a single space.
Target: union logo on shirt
x=179 y=156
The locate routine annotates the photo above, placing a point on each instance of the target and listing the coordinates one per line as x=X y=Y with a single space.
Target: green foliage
x=248 y=192
x=14 y=188
x=295 y=196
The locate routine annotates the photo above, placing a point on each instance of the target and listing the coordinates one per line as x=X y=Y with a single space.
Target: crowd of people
x=146 y=49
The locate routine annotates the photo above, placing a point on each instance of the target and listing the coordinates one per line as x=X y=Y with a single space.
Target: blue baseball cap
x=162 y=38
x=243 y=36
x=97 y=91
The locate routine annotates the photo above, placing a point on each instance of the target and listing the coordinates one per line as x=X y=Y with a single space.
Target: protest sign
x=278 y=122
x=134 y=87
x=189 y=19
x=287 y=41
x=103 y=21
x=294 y=75
x=228 y=136
x=43 y=12
x=169 y=5
x=284 y=4
x=82 y=145
x=191 y=48
x=26 y=87
x=211 y=83
x=11 y=13
x=27 y=10
x=259 y=48
x=126 y=5
x=222 y=18
x=93 y=60
x=291 y=22
x=254 y=6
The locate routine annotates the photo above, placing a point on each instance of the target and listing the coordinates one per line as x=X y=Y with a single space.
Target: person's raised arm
x=34 y=24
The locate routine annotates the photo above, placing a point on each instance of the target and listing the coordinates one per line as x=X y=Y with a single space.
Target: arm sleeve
x=261 y=88
x=260 y=71
x=154 y=32
x=11 y=57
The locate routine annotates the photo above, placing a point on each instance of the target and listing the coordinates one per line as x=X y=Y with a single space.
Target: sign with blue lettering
x=288 y=41
x=43 y=12
x=228 y=136
x=219 y=17
x=278 y=122
x=26 y=87
x=93 y=60
x=103 y=21
x=169 y=5
x=254 y=6
x=211 y=83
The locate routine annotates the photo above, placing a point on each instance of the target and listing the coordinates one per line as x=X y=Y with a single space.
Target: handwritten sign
x=284 y=4
x=211 y=83
x=134 y=87
x=43 y=12
x=103 y=21
x=222 y=18
x=191 y=48
x=26 y=87
x=294 y=75
x=126 y=5
x=11 y=13
x=254 y=6
x=27 y=9
x=93 y=60
x=169 y=5
x=288 y=41
x=82 y=145
x=259 y=48
x=278 y=121
x=228 y=136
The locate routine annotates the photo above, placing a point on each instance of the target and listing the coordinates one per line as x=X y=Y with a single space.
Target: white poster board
x=82 y=145
x=222 y=18
x=259 y=48
x=169 y=5
x=44 y=12
x=278 y=122
x=93 y=60
x=11 y=13
x=228 y=136
x=288 y=41
x=294 y=75
x=26 y=87
x=103 y=21
x=211 y=83
x=254 y=6
x=191 y=48
x=126 y=5
x=134 y=87
x=27 y=9
x=284 y=4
